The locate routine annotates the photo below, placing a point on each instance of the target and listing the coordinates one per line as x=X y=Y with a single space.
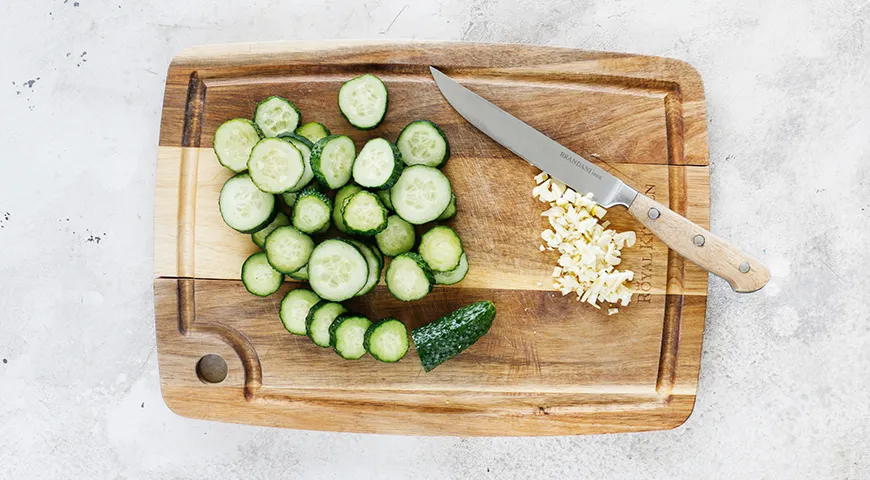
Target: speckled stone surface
x=785 y=379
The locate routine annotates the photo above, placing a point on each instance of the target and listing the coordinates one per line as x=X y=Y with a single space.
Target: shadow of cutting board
x=550 y=365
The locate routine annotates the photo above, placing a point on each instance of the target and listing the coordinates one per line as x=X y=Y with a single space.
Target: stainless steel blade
x=533 y=146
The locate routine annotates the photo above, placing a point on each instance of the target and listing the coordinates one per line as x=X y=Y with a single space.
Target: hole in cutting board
x=211 y=368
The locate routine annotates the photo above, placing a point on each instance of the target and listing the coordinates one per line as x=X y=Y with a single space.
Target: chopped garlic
x=589 y=250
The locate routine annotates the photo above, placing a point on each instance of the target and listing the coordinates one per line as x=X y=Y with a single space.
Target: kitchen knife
x=744 y=273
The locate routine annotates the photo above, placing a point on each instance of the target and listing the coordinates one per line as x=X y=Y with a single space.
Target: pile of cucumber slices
x=375 y=198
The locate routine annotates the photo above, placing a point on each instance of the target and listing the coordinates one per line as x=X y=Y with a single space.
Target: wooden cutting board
x=550 y=365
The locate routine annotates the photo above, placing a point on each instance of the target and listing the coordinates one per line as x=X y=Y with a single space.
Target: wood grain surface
x=550 y=365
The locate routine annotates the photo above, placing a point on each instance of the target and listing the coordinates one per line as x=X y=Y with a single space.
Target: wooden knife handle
x=744 y=273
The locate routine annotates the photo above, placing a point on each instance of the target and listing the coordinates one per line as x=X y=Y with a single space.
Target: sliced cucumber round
x=340 y=196
x=375 y=263
x=244 y=207
x=320 y=318
x=313 y=131
x=398 y=237
x=332 y=160
x=378 y=165
x=384 y=195
x=441 y=247
x=347 y=335
x=301 y=274
x=363 y=101
x=295 y=308
x=423 y=143
x=337 y=270
x=363 y=214
x=408 y=277
x=453 y=276
x=312 y=211
x=289 y=198
x=387 y=340
x=304 y=145
x=275 y=165
x=276 y=115
x=421 y=194
x=450 y=211
x=259 y=238
x=259 y=277
x=288 y=249
x=233 y=142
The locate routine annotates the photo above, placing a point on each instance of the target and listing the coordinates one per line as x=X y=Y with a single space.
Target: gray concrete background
x=785 y=380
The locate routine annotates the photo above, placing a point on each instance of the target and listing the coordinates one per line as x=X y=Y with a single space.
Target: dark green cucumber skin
x=316 y=152
x=386 y=104
x=440 y=132
x=371 y=330
x=292 y=105
x=448 y=212
x=258 y=227
x=311 y=192
x=446 y=337
x=420 y=263
x=298 y=138
x=259 y=133
x=366 y=233
x=398 y=166
x=334 y=328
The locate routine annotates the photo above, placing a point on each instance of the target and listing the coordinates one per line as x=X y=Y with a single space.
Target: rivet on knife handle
x=744 y=273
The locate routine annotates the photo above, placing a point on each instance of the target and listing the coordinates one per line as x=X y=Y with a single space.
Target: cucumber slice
x=288 y=249
x=363 y=101
x=409 y=278
x=441 y=247
x=450 y=211
x=312 y=211
x=332 y=160
x=233 y=142
x=320 y=318
x=337 y=270
x=363 y=214
x=446 y=337
x=384 y=195
x=398 y=237
x=259 y=277
x=347 y=335
x=289 y=198
x=387 y=340
x=304 y=145
x=423 y=143
x=301 y=274
x=454 y=276
x=343 y=194
x=275 y=165
x=375 y=263
x=421 y=194
x=313 y=131
x=244 y=207
x=259 y=237
x=378 y=165
x=294 y=309
x=276 y=115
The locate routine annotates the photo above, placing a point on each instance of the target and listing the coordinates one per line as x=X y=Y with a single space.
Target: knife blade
x=744 y=273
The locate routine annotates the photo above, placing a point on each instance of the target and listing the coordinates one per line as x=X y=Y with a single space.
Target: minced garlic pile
x=590 y=253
